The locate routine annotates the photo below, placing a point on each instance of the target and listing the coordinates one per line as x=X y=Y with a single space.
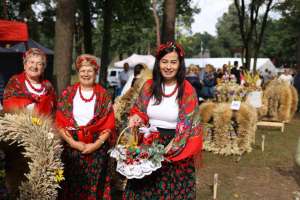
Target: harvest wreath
x=42 y=147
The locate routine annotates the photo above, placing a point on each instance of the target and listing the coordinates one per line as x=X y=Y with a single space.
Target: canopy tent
x=264 y=63
x=21 y=47
x=135 y=59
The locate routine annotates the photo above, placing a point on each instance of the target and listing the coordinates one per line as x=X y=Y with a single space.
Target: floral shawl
x=16 y=96
x=188 y=123
x=103 y=115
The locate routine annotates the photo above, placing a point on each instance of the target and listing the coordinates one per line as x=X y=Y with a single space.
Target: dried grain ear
x=206 y=111
x=281 y=100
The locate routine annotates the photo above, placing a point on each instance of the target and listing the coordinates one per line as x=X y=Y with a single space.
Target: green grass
x=257 y=175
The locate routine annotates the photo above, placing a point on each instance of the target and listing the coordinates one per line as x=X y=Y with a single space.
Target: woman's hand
x=90 y=148
x=168 y=147
x=80 y=146
x=134 y=120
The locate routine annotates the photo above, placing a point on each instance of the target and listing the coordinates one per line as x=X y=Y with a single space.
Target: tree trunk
x=157 y=24
x=5 y=10
x=63 y=46
x=87 y=26
x=169 y=16
x=105 y=54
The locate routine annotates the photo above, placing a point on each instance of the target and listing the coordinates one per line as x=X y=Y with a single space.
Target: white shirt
x=165 y=114
x=83 y=111
x=29 y=88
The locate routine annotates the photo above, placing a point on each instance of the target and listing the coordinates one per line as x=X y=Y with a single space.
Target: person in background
x=236 y=72
x=192 y=76
x=123 y=78
x=2 y=82
x=220 y=73
x=297 y=86
x=167 y=91
x=286 y=77
x=201 y=74
x=136 y=73
x=29 y=90
x=86 y=123
x=209 y=82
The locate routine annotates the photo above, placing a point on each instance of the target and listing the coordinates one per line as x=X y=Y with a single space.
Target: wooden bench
x=271 y=124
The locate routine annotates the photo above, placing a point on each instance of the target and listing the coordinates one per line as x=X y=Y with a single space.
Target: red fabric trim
x=15 y=103
x=13 y=31
x=193 y=146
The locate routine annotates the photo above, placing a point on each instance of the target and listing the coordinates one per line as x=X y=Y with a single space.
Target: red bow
x=150 y=138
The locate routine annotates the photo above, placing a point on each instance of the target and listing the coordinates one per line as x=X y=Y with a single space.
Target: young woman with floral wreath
x=86 y=121
x=169 y=103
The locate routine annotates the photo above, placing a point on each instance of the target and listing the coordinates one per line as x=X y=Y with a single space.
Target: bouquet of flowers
x=139 y=154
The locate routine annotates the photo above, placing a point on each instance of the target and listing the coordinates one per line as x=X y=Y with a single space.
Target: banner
x=13 y=31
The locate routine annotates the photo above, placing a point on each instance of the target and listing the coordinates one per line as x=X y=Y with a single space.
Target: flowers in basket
x=140 y=154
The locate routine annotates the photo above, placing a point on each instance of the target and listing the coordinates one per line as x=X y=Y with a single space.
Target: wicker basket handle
x=122 y=133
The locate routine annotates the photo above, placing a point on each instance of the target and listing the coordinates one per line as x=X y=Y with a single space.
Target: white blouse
x=83 y=111
x=29 y=88
x=165 y=114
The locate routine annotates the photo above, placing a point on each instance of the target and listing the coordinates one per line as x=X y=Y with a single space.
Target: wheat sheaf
x=42 y=146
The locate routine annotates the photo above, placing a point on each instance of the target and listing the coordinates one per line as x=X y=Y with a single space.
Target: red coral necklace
x=38 y=90
x=84 y=99
x=172 y=93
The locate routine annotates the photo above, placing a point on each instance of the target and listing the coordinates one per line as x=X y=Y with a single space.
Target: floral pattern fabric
x=173 y=181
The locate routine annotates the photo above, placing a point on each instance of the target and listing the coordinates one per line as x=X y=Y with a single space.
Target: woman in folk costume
x=168 y=103
x=29 y=90
x=26 y=91
x=86 y=121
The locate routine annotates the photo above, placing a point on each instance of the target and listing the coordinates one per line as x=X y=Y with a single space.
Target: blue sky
x=211 y=10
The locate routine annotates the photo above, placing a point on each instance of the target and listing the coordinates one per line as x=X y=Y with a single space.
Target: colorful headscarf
x=86 y=59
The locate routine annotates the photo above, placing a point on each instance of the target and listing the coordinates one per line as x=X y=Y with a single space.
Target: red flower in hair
x=175 y=46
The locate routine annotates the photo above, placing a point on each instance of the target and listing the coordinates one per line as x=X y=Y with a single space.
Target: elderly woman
x=168 y=103
x=29 y=90
x=86 y=121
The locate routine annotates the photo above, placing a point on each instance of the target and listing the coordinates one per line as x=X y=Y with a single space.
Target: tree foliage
x=251 y=33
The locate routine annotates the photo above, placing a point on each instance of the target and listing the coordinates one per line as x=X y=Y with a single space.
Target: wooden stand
x=271 y=124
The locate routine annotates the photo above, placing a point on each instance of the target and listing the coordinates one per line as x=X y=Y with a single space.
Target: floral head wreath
x=176 y=47
x=35 y=52
x=86 y=59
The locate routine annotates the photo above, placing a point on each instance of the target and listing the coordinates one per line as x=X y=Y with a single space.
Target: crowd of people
x=84 y=117
x=206 y=79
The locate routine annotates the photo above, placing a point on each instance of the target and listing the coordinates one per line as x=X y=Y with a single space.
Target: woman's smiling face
x=169 y=65
x=87 y=75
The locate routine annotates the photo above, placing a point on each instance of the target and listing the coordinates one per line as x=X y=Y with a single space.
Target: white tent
x=135 y=59
x=264 y=63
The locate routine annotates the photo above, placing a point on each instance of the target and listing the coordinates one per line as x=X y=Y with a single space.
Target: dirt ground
x=268 y=175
